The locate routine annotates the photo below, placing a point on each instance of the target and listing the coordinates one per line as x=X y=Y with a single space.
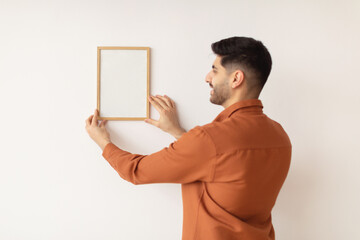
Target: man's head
x=240 y=70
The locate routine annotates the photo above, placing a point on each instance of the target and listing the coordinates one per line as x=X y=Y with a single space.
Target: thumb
x=151 y=121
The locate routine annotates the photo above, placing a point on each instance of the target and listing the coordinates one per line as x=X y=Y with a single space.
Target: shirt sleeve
x=190 y=158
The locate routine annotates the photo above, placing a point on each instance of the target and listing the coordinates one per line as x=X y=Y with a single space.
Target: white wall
x=54 y=183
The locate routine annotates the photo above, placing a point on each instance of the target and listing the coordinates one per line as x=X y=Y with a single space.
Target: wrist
x=103 y=144
x=178 y=133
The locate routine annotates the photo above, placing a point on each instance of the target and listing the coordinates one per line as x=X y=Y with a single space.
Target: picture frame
x=123 y=78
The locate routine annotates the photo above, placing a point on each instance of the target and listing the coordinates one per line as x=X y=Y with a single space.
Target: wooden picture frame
x=123 y=76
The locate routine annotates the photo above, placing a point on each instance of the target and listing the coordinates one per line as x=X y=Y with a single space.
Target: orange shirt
x=231 y=171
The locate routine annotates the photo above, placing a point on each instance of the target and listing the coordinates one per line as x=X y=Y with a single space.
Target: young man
x=232 y=169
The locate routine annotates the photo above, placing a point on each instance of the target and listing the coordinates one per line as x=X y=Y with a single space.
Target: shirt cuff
x=108 y=149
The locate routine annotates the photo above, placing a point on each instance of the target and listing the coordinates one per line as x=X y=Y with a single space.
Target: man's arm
x=191 y=158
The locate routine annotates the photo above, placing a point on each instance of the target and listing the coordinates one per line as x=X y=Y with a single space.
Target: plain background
x=54 y=183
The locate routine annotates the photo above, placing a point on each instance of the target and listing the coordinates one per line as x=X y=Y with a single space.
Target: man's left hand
x=97 y=132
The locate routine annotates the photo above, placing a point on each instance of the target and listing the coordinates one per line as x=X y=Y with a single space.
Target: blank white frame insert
x=123 y=83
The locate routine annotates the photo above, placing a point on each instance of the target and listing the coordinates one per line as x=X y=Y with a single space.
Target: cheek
x=216 y=80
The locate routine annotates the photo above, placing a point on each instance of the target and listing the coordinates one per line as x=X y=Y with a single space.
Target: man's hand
x=98 y=133
x=168 y=121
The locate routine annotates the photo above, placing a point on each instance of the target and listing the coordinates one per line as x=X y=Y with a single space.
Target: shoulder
x=214 y=129
x=196 y=135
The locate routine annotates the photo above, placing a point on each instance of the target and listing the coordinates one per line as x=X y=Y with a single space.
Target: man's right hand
x=168 y=121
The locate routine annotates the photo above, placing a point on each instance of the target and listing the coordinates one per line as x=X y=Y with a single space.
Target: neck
x=238 y=98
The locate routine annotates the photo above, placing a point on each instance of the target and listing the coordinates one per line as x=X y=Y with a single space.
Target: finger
x=88 y=121
x=95 y=119
x=156 y=105
x=103 y=122
x=166 y=100
x=160 y=101
x=152 y=122
x=170 y=100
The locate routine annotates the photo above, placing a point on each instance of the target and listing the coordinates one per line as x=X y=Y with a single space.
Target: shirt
x=230 y=170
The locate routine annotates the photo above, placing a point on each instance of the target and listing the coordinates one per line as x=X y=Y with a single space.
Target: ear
x=238 y=78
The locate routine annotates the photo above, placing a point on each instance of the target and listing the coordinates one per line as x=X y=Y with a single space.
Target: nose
x=208 y=77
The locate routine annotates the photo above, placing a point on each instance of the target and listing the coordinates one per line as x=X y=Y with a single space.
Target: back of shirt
x=253 y=155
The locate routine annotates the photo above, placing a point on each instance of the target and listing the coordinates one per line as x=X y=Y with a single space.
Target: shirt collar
x=247 y=105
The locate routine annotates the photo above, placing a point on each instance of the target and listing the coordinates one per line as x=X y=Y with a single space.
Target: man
x=232 y=169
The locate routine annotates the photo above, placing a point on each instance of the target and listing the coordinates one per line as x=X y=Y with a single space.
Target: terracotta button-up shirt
x=231 y=171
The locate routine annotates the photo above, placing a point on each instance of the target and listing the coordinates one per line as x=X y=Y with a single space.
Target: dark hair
x=246 y=54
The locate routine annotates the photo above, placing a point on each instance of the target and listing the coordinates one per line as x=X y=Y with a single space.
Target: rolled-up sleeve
x=190 y=158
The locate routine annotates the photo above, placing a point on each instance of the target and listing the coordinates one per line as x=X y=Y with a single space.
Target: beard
x=221 y=94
